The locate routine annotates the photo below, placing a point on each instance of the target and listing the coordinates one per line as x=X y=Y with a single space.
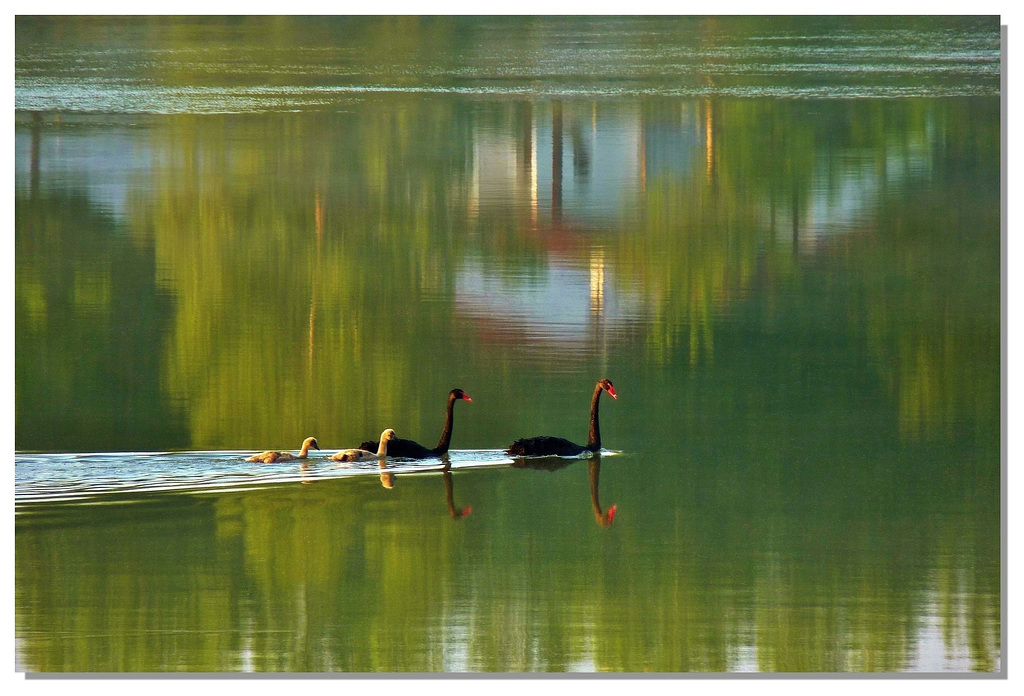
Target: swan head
x=608 y=517
x=606 y=384
x=311 y=442
x=388 y=435
x=459 y=394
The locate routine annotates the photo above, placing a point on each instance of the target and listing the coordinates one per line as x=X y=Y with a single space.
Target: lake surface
x=779 y=238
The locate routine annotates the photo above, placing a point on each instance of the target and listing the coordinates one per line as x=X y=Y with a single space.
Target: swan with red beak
x=547 y=445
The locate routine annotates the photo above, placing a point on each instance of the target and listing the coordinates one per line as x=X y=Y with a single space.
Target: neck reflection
x=606 y=517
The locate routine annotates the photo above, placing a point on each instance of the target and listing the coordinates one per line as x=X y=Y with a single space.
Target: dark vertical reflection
x=556 y=162
x=604 y=517
x=35 y=128
x=526 y=145
x=794 y=211
x=449 y=496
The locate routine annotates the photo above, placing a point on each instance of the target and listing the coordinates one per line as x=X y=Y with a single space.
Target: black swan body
x=546 y=445
x=410 y=449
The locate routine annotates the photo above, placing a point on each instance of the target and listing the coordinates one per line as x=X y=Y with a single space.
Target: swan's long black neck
x=595 y=426
x=446 y=434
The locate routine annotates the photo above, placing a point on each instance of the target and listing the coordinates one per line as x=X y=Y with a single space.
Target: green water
x=231 y=235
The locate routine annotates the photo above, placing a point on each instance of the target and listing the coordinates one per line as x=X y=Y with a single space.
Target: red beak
x=465 y=397
x=611 y=392
x=611 y=513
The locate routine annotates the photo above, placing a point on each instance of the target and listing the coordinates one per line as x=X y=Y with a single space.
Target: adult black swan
x=545 y=445
x=409 y=449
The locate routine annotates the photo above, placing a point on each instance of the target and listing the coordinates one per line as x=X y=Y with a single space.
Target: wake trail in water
x=73 y=477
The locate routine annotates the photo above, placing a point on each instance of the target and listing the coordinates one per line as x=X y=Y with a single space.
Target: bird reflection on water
x=453 y=511
x=603 y=517
x=389 y=475
x=387 y=480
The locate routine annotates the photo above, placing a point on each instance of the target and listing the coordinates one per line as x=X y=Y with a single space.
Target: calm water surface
x=778 y=238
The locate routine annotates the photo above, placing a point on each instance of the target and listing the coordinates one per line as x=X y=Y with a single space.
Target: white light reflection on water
x=561 y=307
x=85 y=477
x=235 y=100
x=91 y=478
x=943 y=642
x=611 y=57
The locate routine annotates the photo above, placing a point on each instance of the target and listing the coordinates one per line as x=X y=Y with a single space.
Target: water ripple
x=85 y=477
x=45 y=95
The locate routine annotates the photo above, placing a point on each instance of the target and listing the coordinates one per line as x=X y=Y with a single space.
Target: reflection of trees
x=343 y=575
x=933 y=323
x=253 y=334
x=293 y=260
x=106 y=608
x=87 y=316
x=359 y=566
x=932 y=328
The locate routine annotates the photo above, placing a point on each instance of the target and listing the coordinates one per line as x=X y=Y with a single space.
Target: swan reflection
x=388 y=477
x=603 y=517
x=449 y=497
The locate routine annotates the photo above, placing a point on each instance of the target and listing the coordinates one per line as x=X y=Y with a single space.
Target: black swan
x=414 y=450
x=274 y=456
x=546 y=445
x=359 y=455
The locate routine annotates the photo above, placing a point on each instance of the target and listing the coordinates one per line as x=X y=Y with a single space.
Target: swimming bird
x=414 y=450
x=274 y=456
x=546 y=445
x=360 y=455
